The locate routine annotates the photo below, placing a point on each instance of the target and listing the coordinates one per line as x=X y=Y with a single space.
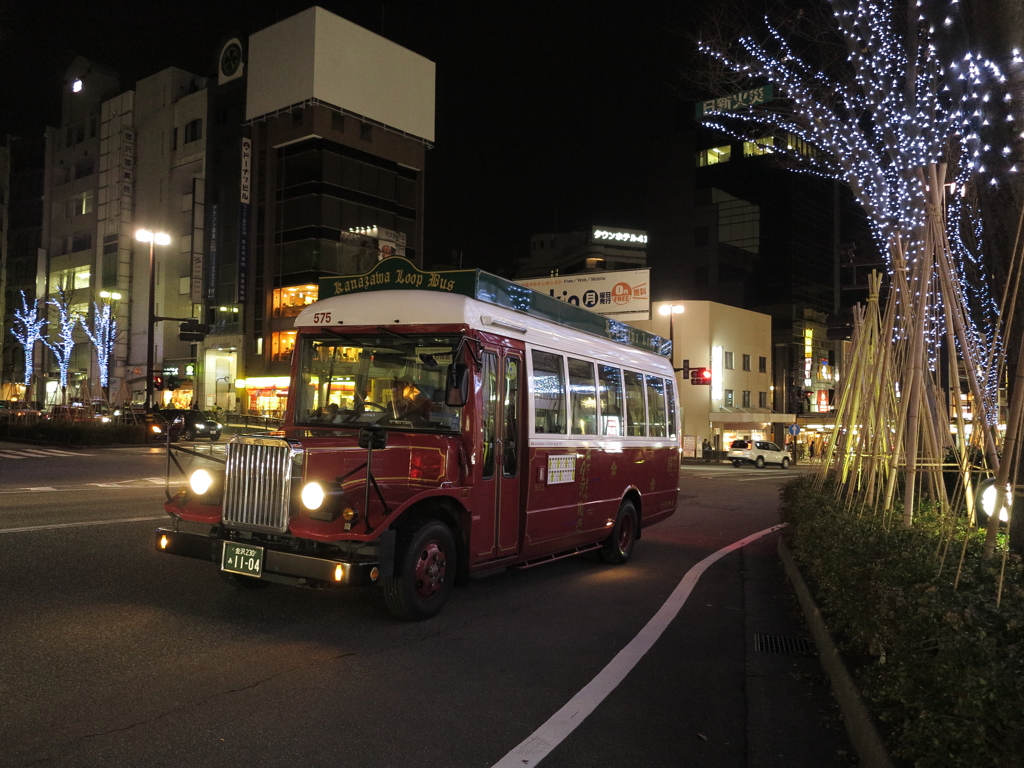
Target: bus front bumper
x=276 y=565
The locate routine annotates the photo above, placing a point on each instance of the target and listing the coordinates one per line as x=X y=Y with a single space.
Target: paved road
x=114 y=655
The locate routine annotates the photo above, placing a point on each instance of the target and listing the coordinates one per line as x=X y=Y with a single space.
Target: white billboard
x=318 y=55
x=621 y=295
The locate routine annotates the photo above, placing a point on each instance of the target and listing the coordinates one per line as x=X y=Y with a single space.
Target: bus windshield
x=387 y=380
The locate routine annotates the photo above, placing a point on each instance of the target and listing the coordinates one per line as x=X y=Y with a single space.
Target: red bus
x=441 y=425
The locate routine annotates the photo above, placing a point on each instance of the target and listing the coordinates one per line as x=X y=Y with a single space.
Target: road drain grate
x=793 y=646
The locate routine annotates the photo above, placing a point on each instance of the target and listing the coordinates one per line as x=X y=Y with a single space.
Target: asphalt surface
x=114 y=655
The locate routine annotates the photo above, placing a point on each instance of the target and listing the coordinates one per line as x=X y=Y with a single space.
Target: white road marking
x=540 y=743
x=24 y=453
x=81 y=525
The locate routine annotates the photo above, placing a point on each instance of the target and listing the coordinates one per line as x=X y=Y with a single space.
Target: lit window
x=795 y=144
x=757 y=147
x=76 y=86
x=281 y=345
x=289 y=302
x=714 y=156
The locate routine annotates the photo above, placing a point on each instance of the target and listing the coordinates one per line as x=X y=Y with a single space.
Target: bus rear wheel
x=425 y=572
x=617 y=548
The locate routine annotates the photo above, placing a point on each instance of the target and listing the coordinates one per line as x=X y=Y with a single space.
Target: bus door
x=496 y=531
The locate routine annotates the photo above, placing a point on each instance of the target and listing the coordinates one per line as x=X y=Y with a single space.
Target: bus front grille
x=258 y=483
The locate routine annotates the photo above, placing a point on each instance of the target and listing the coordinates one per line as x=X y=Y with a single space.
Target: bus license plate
x=242 y=558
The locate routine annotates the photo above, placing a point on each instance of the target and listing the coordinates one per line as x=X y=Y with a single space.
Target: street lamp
x=672 y=310
x=153 y=238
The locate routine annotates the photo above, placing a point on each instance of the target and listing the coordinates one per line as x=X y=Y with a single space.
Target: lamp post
x=153 y=238
x=672 y=310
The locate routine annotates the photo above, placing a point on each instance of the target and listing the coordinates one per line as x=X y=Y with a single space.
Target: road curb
x=859 y=724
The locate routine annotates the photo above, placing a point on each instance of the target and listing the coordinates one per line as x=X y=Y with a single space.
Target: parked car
x=79 y=413
x=758 y=453
x=15 y=409
x=194 y=425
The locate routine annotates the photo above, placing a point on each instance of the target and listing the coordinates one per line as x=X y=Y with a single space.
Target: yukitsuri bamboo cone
x=915 y=378
x=956 y=307
x=900 y=316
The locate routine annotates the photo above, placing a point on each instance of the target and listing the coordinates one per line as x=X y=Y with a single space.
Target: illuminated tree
x=28 y=330
x=103 y=335
x=64 y=347
x=902 y=117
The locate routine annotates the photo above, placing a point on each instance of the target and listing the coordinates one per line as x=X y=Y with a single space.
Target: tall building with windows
x=303 y=157
x=22 y=234
x=338 y=121
x=70 y=191
x=153 y=178
x=730 y=223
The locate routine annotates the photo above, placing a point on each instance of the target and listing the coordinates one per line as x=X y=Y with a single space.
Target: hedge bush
x=941 y=668
x=74 y=433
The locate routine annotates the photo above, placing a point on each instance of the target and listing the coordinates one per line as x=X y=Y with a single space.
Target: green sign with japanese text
x=735 y=101
x=397 y=273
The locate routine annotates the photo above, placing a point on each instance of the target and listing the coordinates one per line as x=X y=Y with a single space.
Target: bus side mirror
x=457 y=386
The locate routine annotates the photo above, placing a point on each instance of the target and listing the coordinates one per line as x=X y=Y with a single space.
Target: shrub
x=943 y=668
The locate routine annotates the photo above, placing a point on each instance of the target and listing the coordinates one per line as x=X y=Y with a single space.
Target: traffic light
x=158 y=381
x=192 y=331
x=171 y=383
x=700 y=375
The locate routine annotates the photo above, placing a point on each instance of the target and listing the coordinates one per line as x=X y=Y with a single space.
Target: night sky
x=544 y=110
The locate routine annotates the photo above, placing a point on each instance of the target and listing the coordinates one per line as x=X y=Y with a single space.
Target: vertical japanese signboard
x=198 y=223
x=243 y=221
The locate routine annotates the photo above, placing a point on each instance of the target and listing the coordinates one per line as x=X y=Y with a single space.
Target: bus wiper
x=402 y=336
x=342 y=336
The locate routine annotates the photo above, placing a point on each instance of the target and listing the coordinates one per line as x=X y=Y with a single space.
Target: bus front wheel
x=425 y=572
x=618 y=547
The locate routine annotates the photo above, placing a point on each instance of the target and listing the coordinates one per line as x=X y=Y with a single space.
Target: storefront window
x=289 y=302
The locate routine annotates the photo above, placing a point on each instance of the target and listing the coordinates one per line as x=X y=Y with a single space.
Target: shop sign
x=623 y=294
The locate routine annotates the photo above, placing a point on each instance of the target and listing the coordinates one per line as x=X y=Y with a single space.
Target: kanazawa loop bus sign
x=398 y=273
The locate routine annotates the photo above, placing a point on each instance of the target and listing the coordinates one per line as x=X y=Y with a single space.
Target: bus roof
x=397 y=273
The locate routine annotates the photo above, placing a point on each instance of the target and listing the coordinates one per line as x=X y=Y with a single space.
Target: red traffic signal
x=158 y=381
x=700 y=375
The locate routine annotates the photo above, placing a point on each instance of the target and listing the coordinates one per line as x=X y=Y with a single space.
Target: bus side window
x=670 y=395
x=610 y=379
x=582 y=397
x=511 y=465
x=636 y=418
x=656 y=406
x=488 y=421
x=548 y=393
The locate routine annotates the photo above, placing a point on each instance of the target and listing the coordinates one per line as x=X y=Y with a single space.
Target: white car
x=758 y=453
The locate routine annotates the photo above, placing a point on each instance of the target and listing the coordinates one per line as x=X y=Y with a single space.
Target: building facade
x=599 y=248
x=338 y=123
x=736 y=345
x=303 y=157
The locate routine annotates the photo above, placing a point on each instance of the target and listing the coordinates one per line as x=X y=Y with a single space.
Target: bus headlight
x=200 y=482
x=313 y=496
